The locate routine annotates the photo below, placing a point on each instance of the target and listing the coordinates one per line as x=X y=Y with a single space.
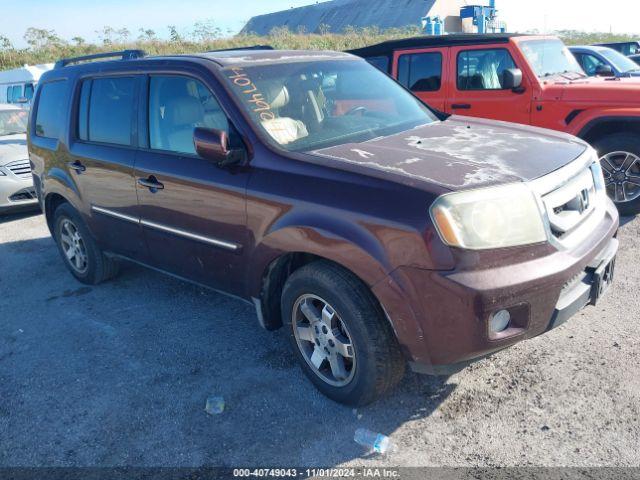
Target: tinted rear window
x=51 y=109
x=106 y=109
x=421 y=72
x=381 y=63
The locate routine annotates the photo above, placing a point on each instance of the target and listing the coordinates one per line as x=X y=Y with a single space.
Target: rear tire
x=620 y=160
x=350 y=335
x=80 y=252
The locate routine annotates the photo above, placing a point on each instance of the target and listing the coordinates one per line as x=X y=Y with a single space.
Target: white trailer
x=17 y=85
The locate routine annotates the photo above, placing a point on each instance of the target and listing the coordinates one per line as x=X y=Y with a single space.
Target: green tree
x=146 y=35
x=324 y=29
x=5 y=43
x=123 y=35
x=174 y=36
x=206 y=31
x=79 y=41
x=106 y=35
x=42 y=39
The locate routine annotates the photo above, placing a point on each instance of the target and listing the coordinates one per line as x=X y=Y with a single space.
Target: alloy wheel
x=621 y=175
x=324 y=340
x=73 y=246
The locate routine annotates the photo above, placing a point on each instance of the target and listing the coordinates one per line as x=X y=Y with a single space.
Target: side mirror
x=213 y=145
x=512 y=79
x=605 y=71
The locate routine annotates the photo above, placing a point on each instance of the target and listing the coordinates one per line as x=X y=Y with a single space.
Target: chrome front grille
x=570 y=205
x=573 y=200
x=20 y=168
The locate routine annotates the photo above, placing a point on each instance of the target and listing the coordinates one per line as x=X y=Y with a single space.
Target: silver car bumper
x=16 y=191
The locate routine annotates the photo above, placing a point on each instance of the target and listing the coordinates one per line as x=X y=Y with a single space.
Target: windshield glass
x=13 y=122
x=550 y=57
x=619 y=61
x=309 y=105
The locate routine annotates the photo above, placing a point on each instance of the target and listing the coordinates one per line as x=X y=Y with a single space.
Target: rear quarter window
x=381 y=63
x=51 y=109
x=421 y=72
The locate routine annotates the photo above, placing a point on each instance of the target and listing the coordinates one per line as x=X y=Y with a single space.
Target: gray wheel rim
x=73 y=246
x=621 y=176
x=324 y=340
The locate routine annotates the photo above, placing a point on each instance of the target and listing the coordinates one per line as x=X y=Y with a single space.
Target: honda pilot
x=378 y=233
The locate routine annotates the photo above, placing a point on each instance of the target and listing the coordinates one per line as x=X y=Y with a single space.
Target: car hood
x=598 y=90
x=12 y=148
x=460 y=153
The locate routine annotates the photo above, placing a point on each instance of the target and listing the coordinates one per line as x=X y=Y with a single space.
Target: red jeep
x=533 y=80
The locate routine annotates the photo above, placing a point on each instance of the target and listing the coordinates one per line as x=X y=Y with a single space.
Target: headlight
x=496 y=217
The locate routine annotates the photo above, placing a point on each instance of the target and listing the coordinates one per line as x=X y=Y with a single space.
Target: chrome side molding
x=164 y=228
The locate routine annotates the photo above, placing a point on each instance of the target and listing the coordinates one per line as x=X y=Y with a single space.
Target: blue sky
x=83 y=17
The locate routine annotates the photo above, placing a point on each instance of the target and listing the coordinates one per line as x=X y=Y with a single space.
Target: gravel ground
x=118 y=375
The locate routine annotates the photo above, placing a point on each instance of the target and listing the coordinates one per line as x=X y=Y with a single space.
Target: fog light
x=499 y=321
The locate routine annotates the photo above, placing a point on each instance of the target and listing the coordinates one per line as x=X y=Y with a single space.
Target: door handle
x=77 y=166
x=151 y=183
x=461 y=106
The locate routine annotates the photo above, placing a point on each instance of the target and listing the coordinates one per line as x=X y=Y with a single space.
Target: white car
x=16 y=182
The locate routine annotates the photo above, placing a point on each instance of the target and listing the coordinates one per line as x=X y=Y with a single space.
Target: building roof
x=339 y=14
x=389 y=46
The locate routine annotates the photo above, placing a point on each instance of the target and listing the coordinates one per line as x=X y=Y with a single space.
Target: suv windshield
x=13 y=122
x=308 y=105
x=619 y=61
x=551 y=57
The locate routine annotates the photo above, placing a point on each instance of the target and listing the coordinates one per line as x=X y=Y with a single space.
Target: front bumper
x=16 y=192
x=442 y=318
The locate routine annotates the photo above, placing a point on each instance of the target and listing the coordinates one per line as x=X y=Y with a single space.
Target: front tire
x=80 y=252
x=620 y=160
x=340 y=334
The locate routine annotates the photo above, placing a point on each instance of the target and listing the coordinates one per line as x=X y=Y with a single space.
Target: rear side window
x=28 y=91
x=14 y=93
x=106 y=110
x=51 y=109
x=381 y=63
x=421 y=72
x=17 y=92
x=483 y=69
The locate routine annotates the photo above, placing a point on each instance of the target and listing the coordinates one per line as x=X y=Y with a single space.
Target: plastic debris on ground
x=374 y=442
x=214 y=406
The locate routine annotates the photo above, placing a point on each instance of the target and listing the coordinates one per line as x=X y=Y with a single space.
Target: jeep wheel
x=78 y=249
x=340 y=335
x=620 y=160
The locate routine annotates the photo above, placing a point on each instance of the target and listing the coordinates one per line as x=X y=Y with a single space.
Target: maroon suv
x=316 y=188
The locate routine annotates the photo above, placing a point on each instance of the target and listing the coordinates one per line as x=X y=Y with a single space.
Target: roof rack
x=124 y=55
x=253 y=47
